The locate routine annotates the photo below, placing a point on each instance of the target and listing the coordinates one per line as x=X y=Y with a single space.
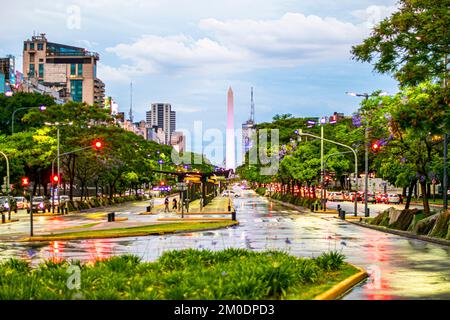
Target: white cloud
x=374 y=14
x=245 y=44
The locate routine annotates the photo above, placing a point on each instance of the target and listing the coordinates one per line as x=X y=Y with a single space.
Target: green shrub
x=181 y=274
x=330 y=261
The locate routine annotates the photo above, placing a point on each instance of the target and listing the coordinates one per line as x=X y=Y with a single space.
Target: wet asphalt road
x=400 y=268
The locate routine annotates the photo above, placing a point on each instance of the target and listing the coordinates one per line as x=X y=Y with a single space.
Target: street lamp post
x=445 y=177
x=300 y=133
x=42 y=108
x=366 y=155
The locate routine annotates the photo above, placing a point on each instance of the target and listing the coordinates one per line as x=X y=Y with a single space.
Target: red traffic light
x=25 y=182
x=97 y=144
x=375 y=146
x=54 y=179
x=162 y=183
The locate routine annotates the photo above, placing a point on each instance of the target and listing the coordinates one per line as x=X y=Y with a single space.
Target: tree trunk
x=408 y=198
x=426 y=204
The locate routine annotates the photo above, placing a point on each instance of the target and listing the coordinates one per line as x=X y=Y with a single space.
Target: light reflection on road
x=400 y=268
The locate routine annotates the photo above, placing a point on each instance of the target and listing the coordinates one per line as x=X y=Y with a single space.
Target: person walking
x=174 y=204
x=166 y=205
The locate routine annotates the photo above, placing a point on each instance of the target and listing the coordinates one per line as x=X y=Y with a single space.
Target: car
x=8 y=204
x=381 y=198
x=393 y=198
x=40 y=203
x=229 y=193
x=22 y=202
x=359 y=196
x=338 y=196
x=63 y=198
x=370 y=198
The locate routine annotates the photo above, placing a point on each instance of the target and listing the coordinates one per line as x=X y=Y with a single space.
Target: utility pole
x=131 y=102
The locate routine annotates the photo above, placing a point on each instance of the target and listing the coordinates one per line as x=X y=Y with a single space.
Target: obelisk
x=230 y=158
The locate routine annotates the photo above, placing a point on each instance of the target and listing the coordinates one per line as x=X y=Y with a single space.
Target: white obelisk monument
x=230 y=159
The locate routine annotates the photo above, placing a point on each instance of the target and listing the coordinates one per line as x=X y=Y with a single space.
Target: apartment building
x=72 y=71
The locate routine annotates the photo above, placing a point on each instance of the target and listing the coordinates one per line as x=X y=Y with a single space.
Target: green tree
x=412 y=43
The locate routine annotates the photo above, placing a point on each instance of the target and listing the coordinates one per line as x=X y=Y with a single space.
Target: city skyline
x=190 y=59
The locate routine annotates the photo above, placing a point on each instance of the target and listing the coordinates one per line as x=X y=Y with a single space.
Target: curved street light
x=42 y=108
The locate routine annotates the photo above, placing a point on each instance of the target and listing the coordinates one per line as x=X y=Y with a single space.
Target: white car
x=229 y=193
x=393 y=198
x=63 y=198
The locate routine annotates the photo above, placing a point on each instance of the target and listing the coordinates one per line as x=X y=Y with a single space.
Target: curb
x=402 y=233
x=290 y=205
x=137 y=234
x=342 y=287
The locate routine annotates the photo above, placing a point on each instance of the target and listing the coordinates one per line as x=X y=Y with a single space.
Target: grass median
x=231 y=274
x=147 y=230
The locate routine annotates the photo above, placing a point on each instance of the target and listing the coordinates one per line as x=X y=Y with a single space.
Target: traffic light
x=97 y=144
x=375 y=146
x=25 y=182
x=162 y=183
x=54 y=179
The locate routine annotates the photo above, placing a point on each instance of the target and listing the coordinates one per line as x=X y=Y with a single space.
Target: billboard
x=2 y=83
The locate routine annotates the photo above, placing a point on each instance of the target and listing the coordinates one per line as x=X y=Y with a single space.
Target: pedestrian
x=166 y=205
x=174 y=204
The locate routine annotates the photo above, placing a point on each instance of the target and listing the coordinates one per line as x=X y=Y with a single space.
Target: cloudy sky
x=295 y=53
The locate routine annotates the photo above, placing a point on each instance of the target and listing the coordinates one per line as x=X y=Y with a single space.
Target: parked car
x=335 y=196
x=8 y=204
x=370 y=198
x=359 y=196
x=22 y=202
x=394 y=198
x=381 y=198
x=41 y=203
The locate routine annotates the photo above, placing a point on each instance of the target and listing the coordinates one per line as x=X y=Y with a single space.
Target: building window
x=25 y=47
x=31 y=72
x=41 y=70
x=31 y=57
x=40 y=46
x=32 y=46
x=73 y=70
x=80 y=69
x=95 y=70
x=76 y=90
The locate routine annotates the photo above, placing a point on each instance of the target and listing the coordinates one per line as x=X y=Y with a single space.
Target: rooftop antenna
x=131 y=101
x=252 y=112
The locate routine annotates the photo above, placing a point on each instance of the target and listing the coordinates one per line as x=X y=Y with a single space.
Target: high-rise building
x=230 y=158
x=178 y=142
x=70 y=70
x=7 y=67
x=162 y=117
x=248 y=129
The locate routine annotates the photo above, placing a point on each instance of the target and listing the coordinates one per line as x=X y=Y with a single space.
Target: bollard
x=317 y=207
x=233 y=216
x=3 y=218
x=343 y=215
x=312 y=208
x=113 y=216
